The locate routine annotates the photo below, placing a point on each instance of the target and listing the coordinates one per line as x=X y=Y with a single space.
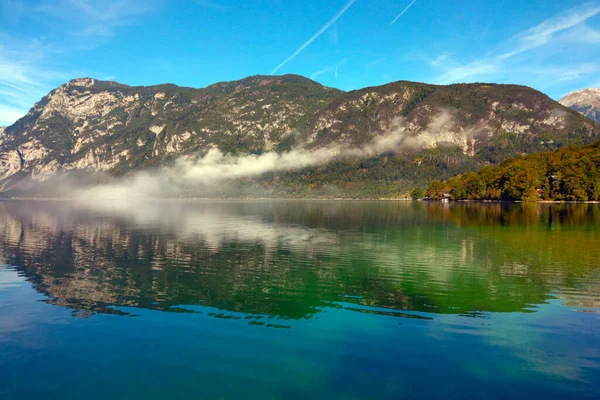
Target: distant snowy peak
x=586 y=102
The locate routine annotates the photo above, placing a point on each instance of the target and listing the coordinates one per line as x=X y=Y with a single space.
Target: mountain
x=101 y=126
x=586 y=102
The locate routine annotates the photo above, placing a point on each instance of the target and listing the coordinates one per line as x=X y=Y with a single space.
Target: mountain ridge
x=586 y=102
x=105 y=126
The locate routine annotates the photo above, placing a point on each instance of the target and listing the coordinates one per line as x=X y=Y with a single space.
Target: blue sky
x=551 y=45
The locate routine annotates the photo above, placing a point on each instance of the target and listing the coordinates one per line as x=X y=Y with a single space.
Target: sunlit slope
x=106 y=127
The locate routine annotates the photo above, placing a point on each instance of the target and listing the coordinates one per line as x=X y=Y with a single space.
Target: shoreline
x=296 y=199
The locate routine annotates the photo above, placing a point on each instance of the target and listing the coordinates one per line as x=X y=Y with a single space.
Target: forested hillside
x=570 y=174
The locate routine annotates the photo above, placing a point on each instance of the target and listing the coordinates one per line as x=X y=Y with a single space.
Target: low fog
x=215 y=168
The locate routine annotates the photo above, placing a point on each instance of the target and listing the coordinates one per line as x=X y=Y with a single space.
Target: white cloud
x=551 y=43
x=22 y=82
x=479 y=70
x=543 y=33
x=216 y=167
x=30 y=68
x=583 y=34
x=569 y=72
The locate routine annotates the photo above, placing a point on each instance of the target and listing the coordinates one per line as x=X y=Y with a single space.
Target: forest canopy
x=568 y=174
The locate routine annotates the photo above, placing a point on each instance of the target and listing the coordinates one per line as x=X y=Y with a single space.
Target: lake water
x=292 y=299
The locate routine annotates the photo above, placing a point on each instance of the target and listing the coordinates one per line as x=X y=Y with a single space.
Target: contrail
x=333 y=67
x=316 y=35
x=402 y=13
x=492 y=20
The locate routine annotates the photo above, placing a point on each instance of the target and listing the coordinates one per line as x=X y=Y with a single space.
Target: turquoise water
x=292 y=299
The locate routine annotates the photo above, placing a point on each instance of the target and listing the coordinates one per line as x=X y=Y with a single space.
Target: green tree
x=569 y=173
x=417 y=193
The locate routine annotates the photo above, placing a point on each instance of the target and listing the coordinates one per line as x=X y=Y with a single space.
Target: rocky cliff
x=99 y=126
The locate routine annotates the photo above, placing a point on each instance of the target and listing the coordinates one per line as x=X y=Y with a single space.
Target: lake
x=299 y=299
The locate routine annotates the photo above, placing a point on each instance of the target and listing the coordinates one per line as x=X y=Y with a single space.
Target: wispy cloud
x=439 y=60
x=30 y=68
x=474 y=71
x=403 y=11
x=315 y=36
x=546 y=42
x=333 y=34
x=542 y=34
x=494 y=70
x=99 y=18
x=568 y=72
x=22 y=82
x=373 y=63
x=336 y=71
x=334 y=68
x=320 y=72
x=583 y=34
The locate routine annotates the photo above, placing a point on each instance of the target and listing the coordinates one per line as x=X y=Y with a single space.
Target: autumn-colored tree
x=436 y=190
x=570 y=173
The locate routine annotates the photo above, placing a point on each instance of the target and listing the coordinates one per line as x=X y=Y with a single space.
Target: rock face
x=101 y=126
x=586 y=102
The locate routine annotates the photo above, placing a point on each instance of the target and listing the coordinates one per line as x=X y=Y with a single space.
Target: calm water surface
x=287 y=299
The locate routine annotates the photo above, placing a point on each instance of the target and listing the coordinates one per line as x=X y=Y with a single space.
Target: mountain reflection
x=290 y=259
